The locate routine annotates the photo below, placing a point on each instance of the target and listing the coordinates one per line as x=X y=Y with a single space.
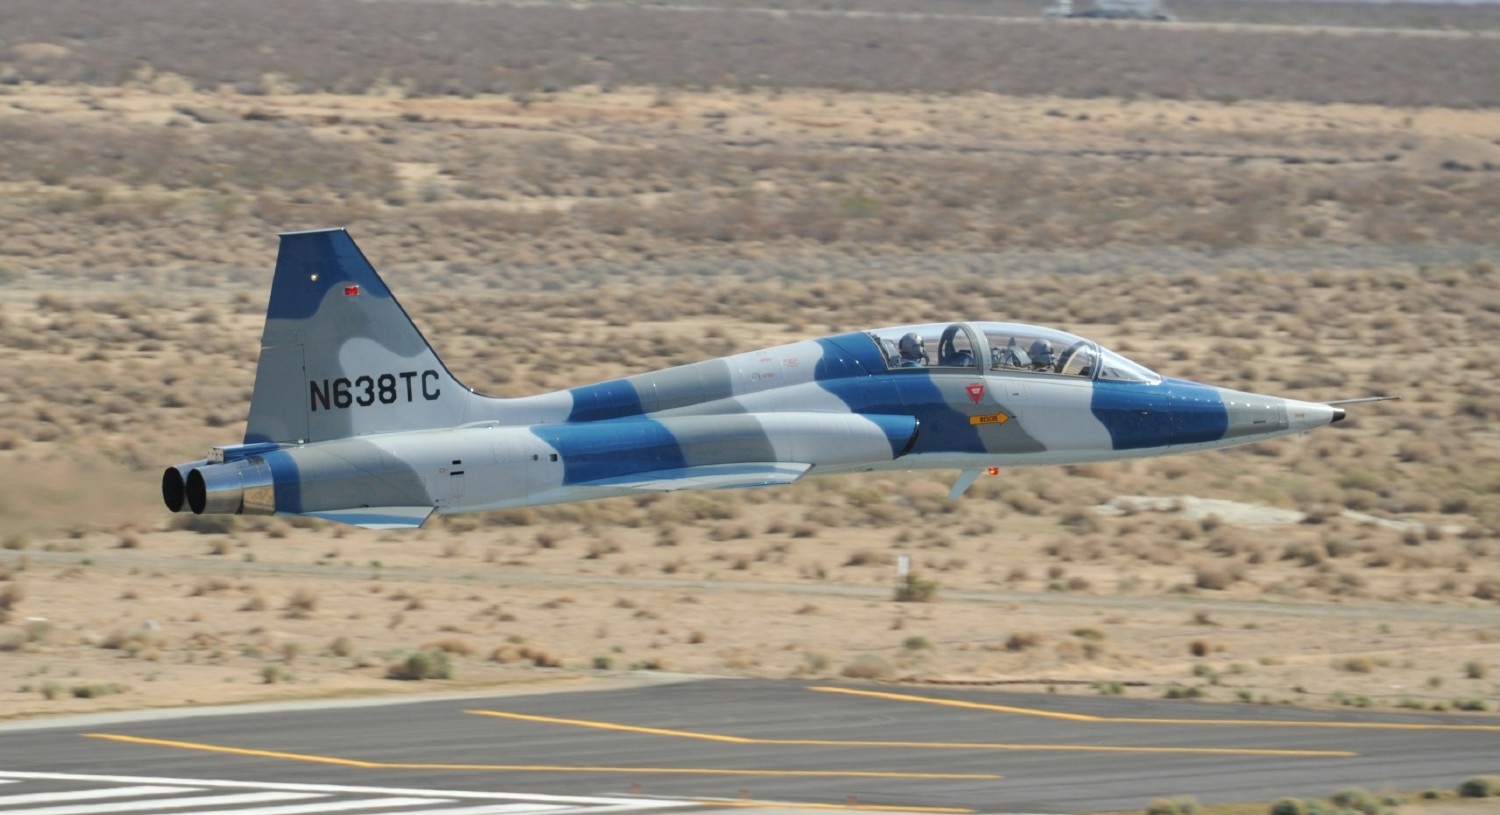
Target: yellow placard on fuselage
x=989 y=418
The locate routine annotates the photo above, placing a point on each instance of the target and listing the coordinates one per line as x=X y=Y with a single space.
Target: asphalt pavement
x=717 y=744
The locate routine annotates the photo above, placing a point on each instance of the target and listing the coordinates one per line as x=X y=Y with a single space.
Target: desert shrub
x=97 y=690
x=1023 y=640
x=131 y=641
x=301 y=604
x=207 y=524
x=341 y=647
x=865 y=557
x=1289 y=806
x=603 y=663
x=516 y=652
x=1200 y=647
x=597 y=549
x=420 y=665
x=916 y=589
x=1356 y=799
x=209 y=585
x=1487 y=589
x=1080 y=520
x=457 y=646
x=1355 y=665
x=10 y=597
x=1305 y=554
x=867 y=666
x=917 y=643
x=1475 y=669
x=1184 y=805
x=1175 y=691
x=1480 y=786
x=1213 y=578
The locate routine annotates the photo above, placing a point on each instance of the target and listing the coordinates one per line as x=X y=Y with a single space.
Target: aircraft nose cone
x=1304 y=416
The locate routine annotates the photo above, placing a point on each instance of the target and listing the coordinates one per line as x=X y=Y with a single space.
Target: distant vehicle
x=1112 y=10
x=355 y=419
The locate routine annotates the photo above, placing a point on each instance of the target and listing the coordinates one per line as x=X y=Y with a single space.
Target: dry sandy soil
x=1373 y=582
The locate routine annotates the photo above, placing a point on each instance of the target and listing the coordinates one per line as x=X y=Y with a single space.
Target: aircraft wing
x=708 y=477
x=377 y=517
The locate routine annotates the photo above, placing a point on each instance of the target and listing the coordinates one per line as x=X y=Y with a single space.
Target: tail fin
x=339 y=357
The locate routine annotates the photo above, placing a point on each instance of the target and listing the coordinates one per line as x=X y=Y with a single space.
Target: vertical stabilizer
x=339 y=357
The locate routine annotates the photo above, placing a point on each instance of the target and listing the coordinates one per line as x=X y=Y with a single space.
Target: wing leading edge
x=709 y=477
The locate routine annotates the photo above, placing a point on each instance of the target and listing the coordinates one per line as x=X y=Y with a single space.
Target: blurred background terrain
x=1297 y=199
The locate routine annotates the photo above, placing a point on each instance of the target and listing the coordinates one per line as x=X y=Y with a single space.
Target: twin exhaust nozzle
x=244 y=487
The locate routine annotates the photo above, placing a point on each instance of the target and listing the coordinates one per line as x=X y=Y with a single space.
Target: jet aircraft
x=355 y=419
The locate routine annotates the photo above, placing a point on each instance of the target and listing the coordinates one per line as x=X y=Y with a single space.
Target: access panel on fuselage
x=523 y=465
x=1137 y=415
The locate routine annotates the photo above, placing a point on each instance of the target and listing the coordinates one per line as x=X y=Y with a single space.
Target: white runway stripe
x=491 y=809
x=331 y=806
x=592 y=803
x=159 y=804
x=7 y=801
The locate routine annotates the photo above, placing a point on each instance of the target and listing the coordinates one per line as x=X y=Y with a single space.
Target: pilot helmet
x=1041 y=352
x=912 y=347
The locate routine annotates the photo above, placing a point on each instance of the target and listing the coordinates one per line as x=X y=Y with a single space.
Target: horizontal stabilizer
x=377 y=517
x=708 y=477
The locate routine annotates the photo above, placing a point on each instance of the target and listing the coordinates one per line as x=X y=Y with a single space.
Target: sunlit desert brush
x=550 y=228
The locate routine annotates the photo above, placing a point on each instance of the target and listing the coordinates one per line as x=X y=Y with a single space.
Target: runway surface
x=720 y=744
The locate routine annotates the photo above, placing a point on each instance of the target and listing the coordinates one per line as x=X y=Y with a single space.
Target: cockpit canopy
x=1004 y=348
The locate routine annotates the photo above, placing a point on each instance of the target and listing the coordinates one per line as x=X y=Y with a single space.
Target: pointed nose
x=1307 y=415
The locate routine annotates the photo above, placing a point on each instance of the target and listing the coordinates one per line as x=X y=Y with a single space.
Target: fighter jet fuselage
x=355 y=419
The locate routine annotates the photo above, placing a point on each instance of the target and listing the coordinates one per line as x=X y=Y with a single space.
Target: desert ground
x=549 y=237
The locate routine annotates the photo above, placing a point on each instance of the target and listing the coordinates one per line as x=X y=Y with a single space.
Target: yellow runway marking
x=927 y=745
x=387 y=765
x=845 y=807
x=1078 y=717
x=627 y=728
x=901 y=697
